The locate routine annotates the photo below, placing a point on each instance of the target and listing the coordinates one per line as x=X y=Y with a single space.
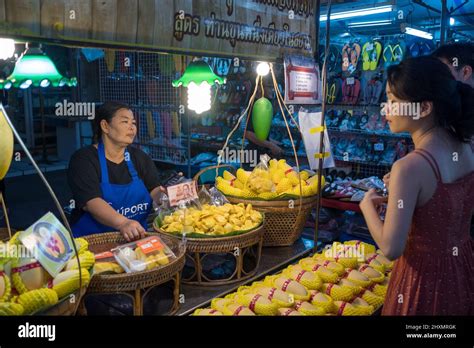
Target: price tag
x=379 y=147
x=350 y=81
x=150 y=245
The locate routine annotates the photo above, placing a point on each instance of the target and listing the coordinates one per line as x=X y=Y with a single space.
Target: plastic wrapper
x=260 y=180
x=145 y=254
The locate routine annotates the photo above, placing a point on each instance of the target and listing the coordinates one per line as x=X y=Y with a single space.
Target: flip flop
x=355 y=54
x=375 y=55
x=346 y=51
x=415 y=49
x=387 y=54
x=331 y=92
x=398 y=52
x=366 y=56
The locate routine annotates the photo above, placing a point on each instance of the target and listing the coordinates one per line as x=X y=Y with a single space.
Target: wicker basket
x=198 y=249
x=283 y=224
x=135 y=285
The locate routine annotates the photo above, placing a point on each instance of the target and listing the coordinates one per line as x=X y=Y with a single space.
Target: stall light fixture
x=419 y=33
x=34 y=68
x=198 y=78
x=7 y=48
x=358 y=13
x=452 y=21
x=369 y=24
x=263 y=68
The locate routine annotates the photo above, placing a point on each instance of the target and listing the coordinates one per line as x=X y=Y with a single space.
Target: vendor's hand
x=372 y=198
x=132 y=230
x=386 y=179
x=276 y=151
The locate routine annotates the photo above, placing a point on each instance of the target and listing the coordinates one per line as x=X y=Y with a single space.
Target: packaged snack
x=145 y=254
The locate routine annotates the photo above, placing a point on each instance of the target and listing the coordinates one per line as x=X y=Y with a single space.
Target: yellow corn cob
x=7 y=288
x=68 y=281
x=87 y=261
x=10 y=308
x=81 y=245
x=35 y=300
x=242 y=176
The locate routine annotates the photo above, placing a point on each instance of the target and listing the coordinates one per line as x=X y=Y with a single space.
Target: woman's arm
x=391 y=235
x=106 y=215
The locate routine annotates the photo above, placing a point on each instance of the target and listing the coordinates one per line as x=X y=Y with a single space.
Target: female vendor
x=113 y=183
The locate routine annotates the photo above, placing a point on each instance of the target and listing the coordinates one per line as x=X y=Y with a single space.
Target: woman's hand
x=386 y=179
x=372 y=199
x=132 y=230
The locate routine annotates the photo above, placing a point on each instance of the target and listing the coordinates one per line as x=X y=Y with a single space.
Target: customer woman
x=431 y=194
x=113 y=183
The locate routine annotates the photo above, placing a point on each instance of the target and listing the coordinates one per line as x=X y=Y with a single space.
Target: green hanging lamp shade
x=198 y=72
x=36 y=69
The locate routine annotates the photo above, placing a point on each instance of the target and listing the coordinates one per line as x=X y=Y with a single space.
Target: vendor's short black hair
x=106 y=112
x=462 y=51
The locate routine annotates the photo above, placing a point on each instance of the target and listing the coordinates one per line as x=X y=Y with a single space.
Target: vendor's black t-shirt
x=84 y=175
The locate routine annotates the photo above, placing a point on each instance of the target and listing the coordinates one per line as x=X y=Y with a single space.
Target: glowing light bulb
x=263 y=68
x=7 y=48
x=199 y=97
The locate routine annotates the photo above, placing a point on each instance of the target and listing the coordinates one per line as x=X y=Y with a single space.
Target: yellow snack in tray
x=362 y=306
x=213 y=220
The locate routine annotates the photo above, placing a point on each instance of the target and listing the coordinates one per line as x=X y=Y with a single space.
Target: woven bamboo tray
x=67 y=306
x=198 y=249
x=283 y=225
x=135 y=285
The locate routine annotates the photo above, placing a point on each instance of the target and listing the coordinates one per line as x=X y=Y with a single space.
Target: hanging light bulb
x=7 y=48
x=198 y=79
x=263 y=68
x=34 y=68
x=199 y=97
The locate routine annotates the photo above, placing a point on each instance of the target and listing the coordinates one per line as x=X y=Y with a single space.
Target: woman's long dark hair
x=106 y=112
x=428 y=79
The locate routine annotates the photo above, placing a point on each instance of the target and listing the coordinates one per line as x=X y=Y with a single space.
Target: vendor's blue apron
x=132 y=200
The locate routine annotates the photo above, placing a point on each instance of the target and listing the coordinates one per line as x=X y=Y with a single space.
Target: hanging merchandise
x=309 y=124
x=110 y=60
x=334 y=90
x=350 y=90
x=393 y=52
x=350 y=57
x=373 y=91
x=371 y=54
x=302 y=81
x=6 y=148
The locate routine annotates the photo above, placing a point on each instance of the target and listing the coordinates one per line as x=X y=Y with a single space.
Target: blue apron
x=132 y=200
